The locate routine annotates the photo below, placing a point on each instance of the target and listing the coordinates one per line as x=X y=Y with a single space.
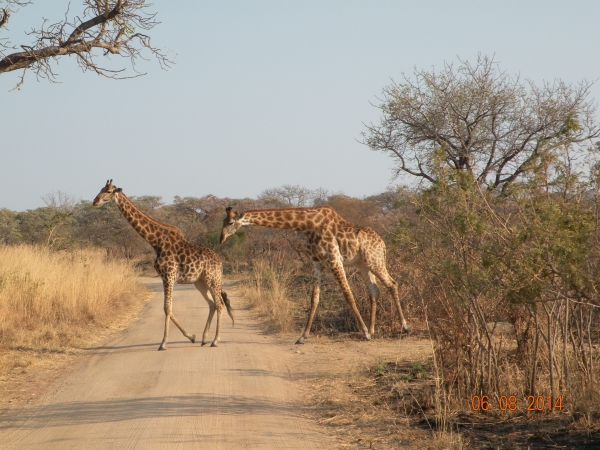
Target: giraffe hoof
x=300 y=340
x=162 y=347
x=193 y=339
x=367 y=337
x=204 y=343
x=406 y=328
x=214 y=344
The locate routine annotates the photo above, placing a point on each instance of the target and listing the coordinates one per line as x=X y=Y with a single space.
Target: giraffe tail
x=228 y=306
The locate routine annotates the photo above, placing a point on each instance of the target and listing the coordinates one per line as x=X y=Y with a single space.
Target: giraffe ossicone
x=332 y=243
x=177 y=261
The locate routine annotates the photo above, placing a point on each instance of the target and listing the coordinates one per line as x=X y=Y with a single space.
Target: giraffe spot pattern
x=177 y=260
x=331 y=242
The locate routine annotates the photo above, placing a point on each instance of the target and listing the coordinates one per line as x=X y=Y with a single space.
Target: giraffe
x=177 y=261
x=332 y=243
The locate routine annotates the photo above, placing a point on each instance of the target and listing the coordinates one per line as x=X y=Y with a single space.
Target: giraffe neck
x=298 y=219
x=147 y=227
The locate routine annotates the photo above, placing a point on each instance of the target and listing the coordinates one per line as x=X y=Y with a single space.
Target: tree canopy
x=476 y=118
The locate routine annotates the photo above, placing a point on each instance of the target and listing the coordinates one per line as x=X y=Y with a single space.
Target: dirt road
x=127 y=395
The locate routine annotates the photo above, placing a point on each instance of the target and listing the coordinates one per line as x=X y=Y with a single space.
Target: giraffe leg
x=203 y=288
x=340 y=275
x=215 y=292
x=168 y=288
x=168 y=282
x=371 y=283
x=191 y=337
x=314 y=301
x=382 y=273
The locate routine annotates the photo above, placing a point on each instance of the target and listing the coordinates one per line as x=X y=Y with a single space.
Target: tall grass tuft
x=51 y=299
x=267 y=291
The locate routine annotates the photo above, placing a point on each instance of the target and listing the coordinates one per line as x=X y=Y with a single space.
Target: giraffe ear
x=230 y=212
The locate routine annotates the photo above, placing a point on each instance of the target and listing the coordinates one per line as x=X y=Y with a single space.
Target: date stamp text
x=511 y=403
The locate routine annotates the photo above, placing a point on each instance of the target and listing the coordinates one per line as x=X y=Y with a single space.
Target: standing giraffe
x=332 y=242
x=177 y=261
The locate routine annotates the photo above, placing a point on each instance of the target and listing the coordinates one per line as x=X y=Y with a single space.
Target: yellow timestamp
x=511 y=403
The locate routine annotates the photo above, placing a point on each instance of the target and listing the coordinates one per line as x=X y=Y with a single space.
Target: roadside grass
x=267 y=289
x=278 y=290
x=53 y=303
x=372 y=407
x=386 y=403
x=396 y=404
x=375 y=403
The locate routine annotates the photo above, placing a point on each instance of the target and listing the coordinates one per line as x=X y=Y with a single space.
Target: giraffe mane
x=150 y=218
x=308 y=208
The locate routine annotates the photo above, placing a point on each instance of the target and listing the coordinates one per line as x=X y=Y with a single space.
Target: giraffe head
x=107 y=194
x=231 y=223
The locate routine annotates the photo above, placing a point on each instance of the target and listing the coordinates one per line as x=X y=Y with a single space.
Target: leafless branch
x=477 y=119
x=110 y=27
x=20 y=83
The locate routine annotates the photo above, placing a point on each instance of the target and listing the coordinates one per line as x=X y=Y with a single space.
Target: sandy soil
x=126 y=394
x=338 y=381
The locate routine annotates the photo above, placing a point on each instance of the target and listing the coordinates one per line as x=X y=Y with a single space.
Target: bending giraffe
x=332 y=243
x=177 y=261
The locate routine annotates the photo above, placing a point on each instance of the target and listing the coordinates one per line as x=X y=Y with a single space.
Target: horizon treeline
x=66 y=223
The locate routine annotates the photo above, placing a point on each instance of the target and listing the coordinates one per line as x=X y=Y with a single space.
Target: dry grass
x=355 y=392
x=404 y=403
x=365 y=407
x=54 y=301
x=267 y=291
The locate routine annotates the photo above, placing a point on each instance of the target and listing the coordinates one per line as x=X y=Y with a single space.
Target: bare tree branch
x=4 y=18
x=111 y=28
x=477 y=119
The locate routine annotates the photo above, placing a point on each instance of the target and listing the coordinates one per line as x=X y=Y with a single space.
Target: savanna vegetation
x=53 y=303
x=48 y=299
x=495 y=246
x=500 y=245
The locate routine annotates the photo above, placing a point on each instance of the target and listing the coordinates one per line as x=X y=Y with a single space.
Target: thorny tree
x=105 y=27
x=291 y=195
x=503 y=247
x=476 y=118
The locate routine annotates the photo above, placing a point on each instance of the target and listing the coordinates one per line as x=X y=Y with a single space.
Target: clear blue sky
x=263 y=93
